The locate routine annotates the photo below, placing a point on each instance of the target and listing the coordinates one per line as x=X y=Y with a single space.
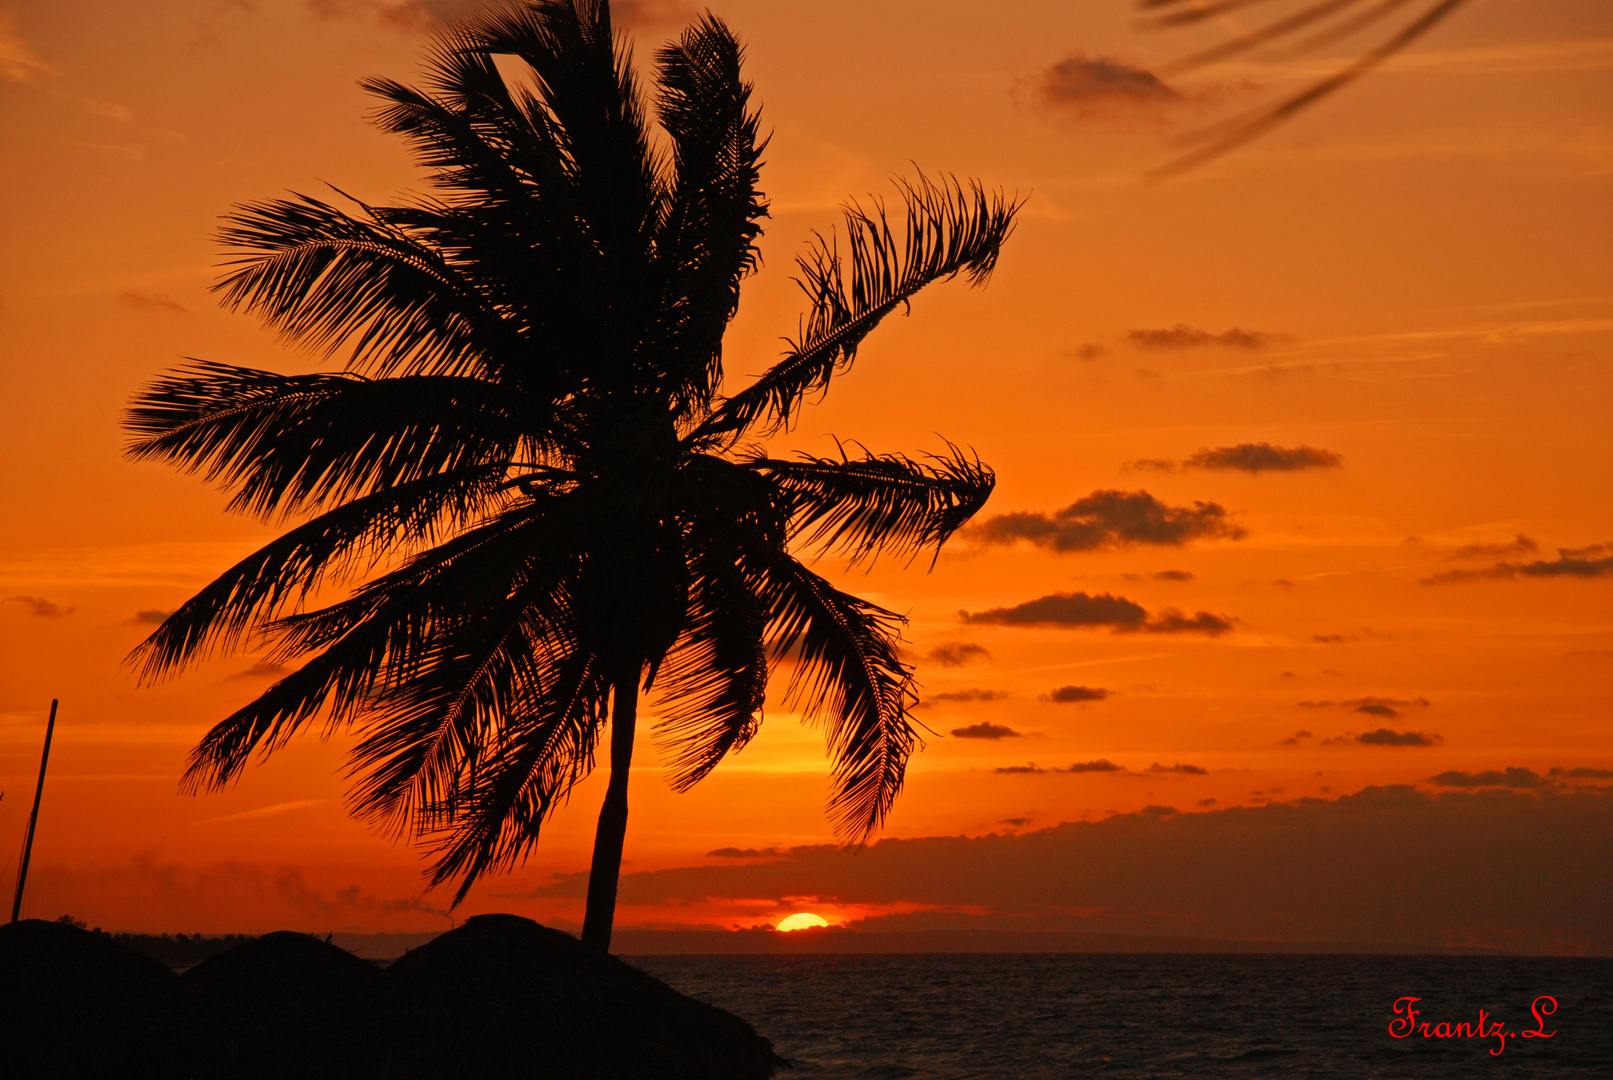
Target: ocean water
x=1040 y=1017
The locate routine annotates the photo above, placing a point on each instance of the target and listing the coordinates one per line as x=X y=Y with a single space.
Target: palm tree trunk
x=607 y=866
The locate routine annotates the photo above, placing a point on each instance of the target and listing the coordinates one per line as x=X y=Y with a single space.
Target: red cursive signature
x=1405 y=1024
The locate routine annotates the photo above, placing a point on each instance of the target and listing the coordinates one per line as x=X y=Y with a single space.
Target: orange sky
x=1419 y=269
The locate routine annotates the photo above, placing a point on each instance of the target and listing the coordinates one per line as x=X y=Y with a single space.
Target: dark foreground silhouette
x=499 y=997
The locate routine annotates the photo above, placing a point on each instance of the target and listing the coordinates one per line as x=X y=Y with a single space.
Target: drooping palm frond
x=849 y=679
x=949 y=229
x=1348 y=17
x=713 y=681
x=528 y=770
x=862 y=506
x=290 y=443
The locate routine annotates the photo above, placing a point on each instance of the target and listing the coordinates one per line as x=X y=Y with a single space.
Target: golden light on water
x=802 y=920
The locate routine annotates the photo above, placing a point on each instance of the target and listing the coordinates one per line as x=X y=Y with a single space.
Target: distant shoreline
x=181 y=951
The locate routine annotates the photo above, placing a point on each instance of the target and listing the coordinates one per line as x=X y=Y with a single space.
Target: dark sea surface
x=1038 y=1016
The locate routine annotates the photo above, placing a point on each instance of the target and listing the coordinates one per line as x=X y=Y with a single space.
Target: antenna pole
x=33 y=818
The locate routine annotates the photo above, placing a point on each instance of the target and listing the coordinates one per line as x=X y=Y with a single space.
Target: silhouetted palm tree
x=529 y=479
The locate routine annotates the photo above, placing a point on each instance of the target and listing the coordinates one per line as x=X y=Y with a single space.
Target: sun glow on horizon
x=803 y=920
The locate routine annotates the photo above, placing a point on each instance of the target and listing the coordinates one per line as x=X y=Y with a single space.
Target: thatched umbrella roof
x=279 y=991
x=75 y=1005
x=504 y=997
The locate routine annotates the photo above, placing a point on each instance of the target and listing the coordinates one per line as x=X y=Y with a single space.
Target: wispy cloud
x=1111 y=519
x=263 y=670
x=153 y=301
x=150 y=617
x=18 y=64
x=275 y=810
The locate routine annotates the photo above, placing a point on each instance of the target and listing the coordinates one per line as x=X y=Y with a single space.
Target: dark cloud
x=1206 y=802
x=1186 y=770
x=1182 y=336
x=1031 y=768
x=149 y=301
x=1066 y=609
x=1264 y=457
x=965 y=695
x=152 y=617
x=746 y=853
x=1330 y=639
x=1089 y=351
x=1582 y=774
x=1149 y=465
x=1081 y=610
x=1385 y=737
x=1386 y=866
x=1371 y=706
x=1016 y=822
x=1595 y=561
x=1088 y=87
x=1297 y=737
x=38 y=605
x=1066 y=695
x=262 y=670
x=1518 y=545
x=1174 y=575
x=985 y=731
x=957 y=653
x=1102 y=765
x=1111 y=519
x=1172 y=621
x=1516 y=778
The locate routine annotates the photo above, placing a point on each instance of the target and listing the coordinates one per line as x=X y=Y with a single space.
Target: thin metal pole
x=33 y=818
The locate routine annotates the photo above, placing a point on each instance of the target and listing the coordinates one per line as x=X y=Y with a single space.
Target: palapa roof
x=75 y=1004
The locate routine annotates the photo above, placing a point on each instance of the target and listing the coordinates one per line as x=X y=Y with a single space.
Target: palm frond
x=949 y=229
x=288 y=570
x=322 y=277
x=378 y=638
x=289 y=443
x=848 y=678
x=430 y=730
x=1224 y=138
x=713 y=681
x=865 y=505
x=539 y=756
x=707 y=242
x=588 y=88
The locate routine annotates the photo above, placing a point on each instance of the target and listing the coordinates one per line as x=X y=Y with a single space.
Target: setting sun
x=803 y=920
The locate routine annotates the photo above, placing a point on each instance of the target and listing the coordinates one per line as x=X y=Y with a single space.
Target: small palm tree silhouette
x=528 y=480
